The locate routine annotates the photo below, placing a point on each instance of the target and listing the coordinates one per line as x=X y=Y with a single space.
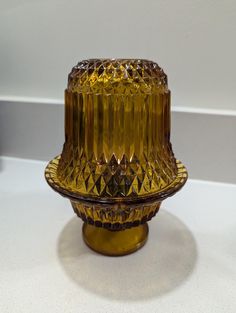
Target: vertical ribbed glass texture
x=117 y=164
x=117 y=130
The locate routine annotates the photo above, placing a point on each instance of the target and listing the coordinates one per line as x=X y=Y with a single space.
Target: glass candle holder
x=117 y=163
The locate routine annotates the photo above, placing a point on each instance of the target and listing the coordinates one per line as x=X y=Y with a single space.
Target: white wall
x=194 y=41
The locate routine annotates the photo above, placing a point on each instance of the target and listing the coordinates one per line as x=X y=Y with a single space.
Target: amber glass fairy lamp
x=117 y=163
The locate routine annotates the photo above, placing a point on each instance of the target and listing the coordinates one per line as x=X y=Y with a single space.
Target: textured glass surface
x=117 y=163
x=120 y=145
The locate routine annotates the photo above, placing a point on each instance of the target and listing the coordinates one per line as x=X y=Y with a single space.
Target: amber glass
x=117 y=163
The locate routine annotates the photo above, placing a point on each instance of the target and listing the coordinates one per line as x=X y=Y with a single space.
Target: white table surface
x=187 y=266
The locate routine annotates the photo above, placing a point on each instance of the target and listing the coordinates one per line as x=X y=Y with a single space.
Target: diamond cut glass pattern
x=117 y=163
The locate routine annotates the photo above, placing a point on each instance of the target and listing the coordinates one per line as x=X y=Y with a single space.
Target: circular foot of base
x=115 y=243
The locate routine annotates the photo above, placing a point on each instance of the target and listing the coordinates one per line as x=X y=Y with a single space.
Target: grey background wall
x=204 y=142
x=194 y=41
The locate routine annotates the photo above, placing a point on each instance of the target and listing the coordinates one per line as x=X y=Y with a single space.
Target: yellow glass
x=117 y=163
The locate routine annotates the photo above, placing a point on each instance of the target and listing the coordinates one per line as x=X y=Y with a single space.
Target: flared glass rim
x=169 y=190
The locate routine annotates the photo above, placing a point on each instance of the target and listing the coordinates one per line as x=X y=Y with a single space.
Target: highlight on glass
x=117 y=163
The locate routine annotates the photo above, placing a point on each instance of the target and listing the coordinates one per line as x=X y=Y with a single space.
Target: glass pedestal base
x=115 y=243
